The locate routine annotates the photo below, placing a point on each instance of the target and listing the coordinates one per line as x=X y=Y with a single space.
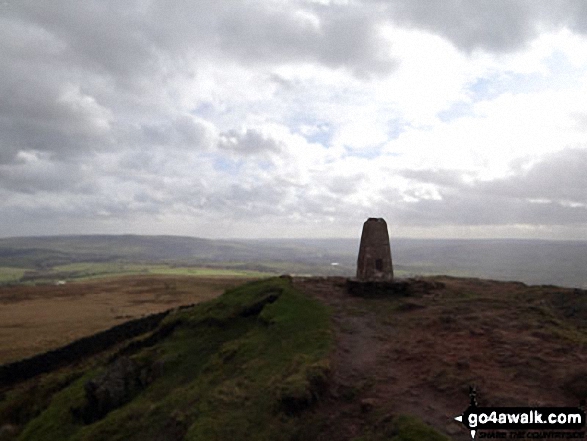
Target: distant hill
x=531 y=261
x=53 y=250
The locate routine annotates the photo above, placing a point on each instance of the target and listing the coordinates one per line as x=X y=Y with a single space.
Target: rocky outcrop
x=119 y=384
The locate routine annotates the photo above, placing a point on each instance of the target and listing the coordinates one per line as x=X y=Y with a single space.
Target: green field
x=90 y=270
x=11 y=275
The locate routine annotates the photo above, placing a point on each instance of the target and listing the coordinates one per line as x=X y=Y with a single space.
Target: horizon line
x=47 y=236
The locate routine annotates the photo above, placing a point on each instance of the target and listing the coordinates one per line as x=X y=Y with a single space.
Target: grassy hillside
x=253 y=364
x=238 y=367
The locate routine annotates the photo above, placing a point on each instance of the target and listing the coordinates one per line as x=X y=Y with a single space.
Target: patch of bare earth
x=418 y=354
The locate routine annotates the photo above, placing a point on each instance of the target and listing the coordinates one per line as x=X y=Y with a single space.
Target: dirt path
x=418 y=355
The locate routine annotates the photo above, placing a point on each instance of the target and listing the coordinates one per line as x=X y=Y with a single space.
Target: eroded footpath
x=418 y=354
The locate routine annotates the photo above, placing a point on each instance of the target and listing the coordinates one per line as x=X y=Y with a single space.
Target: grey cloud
x=445 y=178
x=41 y=117
x=573 y=14
x=491 y=25
x=352 y=39
x=471 y=209
x=262 y=32
x=287 y=85
x=124 y=41
x=248 y=142
x=320 y=205
x=240 y=201
x=43 y=176
x=105 y=37
x=559 y=176
x=494 y=25
x=552 y=192
x=345 y=185
x=78 y=78
x=151 y=193
x=183 y=131
x=347 y=36
x=68 y=68
x=256 y=197
x=42 y=106
x=477 y=209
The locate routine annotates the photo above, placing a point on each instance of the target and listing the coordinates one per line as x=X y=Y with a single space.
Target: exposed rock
x=258 y=306
x=121 y=381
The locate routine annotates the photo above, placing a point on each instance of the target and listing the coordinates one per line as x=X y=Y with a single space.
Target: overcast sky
x=274 y=118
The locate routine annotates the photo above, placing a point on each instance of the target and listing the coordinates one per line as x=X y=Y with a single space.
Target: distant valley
x=534 y=262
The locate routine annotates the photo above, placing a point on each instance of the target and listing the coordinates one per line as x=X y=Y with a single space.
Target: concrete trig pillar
x=374 y=262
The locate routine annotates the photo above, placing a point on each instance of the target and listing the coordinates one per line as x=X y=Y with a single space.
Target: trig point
x=374 y=262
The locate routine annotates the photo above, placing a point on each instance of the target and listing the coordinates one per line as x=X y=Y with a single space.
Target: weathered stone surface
x=374 y=262
x=117 y=385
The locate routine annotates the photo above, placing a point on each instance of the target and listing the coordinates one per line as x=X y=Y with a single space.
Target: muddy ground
x=518 y=345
